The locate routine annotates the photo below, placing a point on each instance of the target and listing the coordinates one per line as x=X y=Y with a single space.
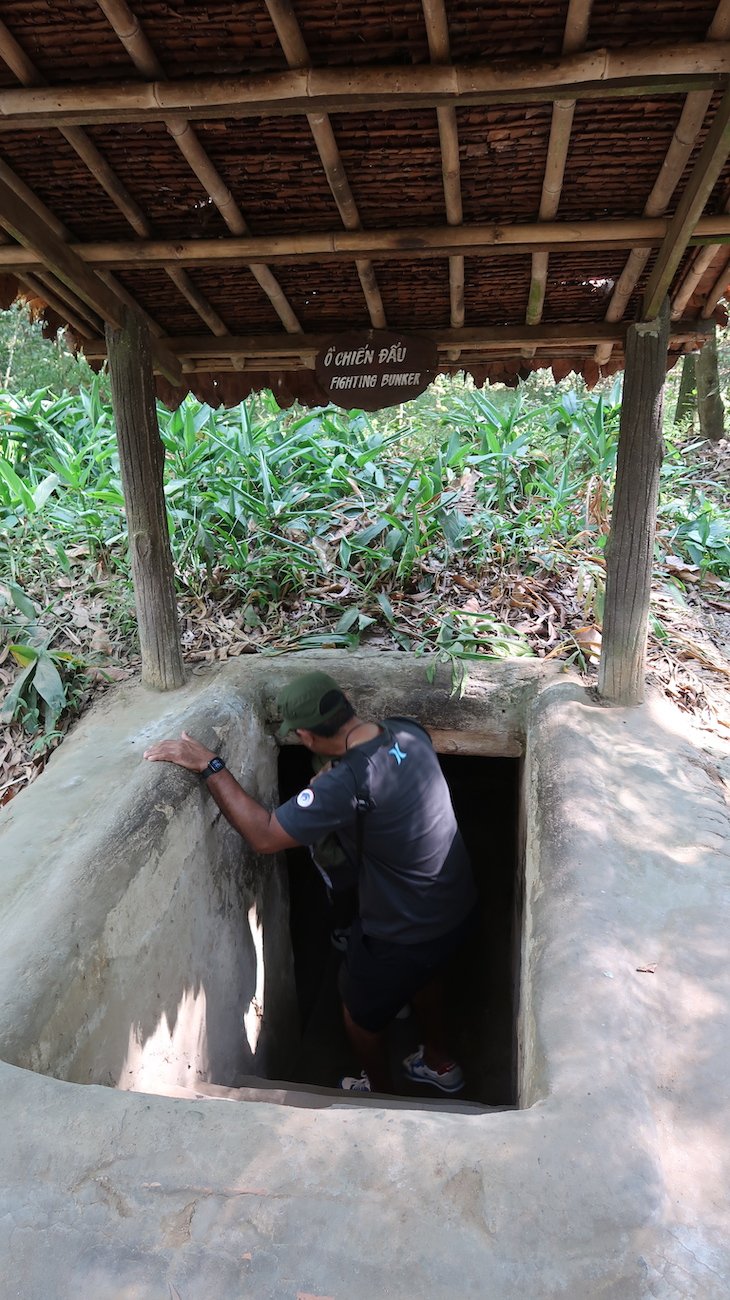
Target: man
x=386 y=799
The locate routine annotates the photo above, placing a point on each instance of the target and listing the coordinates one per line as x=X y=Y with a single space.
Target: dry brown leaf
x=679 y=568
x=589 y=640
x=100 y=642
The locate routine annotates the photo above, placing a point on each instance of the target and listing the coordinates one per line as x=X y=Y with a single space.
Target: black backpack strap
x=358 y=765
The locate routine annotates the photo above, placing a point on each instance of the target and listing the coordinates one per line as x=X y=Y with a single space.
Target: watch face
x=216 y=765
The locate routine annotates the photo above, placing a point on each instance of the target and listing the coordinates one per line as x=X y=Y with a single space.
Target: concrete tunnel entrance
x=481 y=984
x=169 y=958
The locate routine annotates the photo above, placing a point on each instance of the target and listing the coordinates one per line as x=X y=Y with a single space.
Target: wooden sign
x=371 y=369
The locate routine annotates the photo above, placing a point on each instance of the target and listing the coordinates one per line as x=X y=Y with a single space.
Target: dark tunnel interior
x=480 y=982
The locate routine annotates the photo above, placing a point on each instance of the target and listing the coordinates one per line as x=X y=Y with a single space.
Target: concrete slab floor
x=611 y=1183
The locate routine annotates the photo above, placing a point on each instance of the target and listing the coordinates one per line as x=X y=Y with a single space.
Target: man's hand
x=257 y=825
x=187 y=752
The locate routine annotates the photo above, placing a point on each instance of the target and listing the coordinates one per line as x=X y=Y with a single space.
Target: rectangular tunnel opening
x=481 y=983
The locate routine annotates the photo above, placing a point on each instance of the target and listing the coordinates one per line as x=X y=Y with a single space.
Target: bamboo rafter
x=27 y=227
x=58 y=231
x=694 y=197
x=127 y=28
x=717 y=291
x=684 y=139
x=437 y=31
x=561 y=125
x=25 y=70
x=602 y=74
x=297 y=56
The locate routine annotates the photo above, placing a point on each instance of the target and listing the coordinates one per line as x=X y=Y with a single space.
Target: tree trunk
x=630 y=549
x=141 y=457
x=687 y=396
x=709 y=401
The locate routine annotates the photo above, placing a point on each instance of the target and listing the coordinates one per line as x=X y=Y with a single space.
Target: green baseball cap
x=301 y=702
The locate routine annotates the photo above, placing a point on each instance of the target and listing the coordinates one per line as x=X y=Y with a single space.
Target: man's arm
x=255 y=823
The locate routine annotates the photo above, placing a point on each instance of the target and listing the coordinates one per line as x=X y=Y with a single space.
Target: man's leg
x=371 y=1050
x=428 y=1004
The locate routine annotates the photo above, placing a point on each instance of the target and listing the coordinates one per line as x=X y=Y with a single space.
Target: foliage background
x=470 y=523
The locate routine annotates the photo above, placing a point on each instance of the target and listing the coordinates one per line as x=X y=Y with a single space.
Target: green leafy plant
x=42 y=691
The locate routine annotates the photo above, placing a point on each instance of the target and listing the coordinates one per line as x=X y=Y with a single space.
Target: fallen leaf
x=81 y=616
x=589 y=640
x=100 y=641
x=679 y=568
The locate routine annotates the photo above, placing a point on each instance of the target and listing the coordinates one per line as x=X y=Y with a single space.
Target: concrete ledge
x=612 y=1183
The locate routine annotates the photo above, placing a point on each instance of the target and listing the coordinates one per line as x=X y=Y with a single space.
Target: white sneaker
x=351 y=1084
x=448 y=1077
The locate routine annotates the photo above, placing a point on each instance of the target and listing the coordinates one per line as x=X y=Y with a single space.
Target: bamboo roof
x=519 y=181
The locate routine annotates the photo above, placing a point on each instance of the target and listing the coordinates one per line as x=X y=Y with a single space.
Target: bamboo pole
x=700 y=185
x=127 y=28
x=296 y=54
x=680 y=150
x=630 y=549
x=651 y=70
x=479 y=341
x=717 y=292
x=418 y=242
x=704 y=259
x=51 y=293
x=100 y=169
x=56 y=228
x=26 y=218
x=141 y=459
x=437 y=32
x=561 y=126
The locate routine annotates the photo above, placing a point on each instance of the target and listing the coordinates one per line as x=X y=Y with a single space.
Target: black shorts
x=379 y=976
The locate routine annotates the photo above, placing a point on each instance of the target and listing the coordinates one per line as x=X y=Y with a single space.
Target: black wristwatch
x=215 y=765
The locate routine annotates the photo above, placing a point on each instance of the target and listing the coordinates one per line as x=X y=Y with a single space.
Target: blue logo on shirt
x=397 y=753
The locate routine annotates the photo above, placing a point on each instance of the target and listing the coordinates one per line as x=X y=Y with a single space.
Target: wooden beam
x=696 y=193
x=710 y=408
x=651 y=70
x=418 y=242
x=56 y=297
x=24 y=225
x=141 y=461
x=630 y=549
x=484 y=340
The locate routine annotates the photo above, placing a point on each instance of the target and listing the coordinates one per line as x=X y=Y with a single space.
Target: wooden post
x=687 y=396
x=709 y=402
x=630 y=550
x=141 y=461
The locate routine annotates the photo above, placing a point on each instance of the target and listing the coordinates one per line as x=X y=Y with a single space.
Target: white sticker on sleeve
x=306 y=798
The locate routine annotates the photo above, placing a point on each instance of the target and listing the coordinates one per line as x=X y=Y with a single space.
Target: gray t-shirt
x=415 y=882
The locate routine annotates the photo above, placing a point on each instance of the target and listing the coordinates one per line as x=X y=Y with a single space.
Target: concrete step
x=308 y=1097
